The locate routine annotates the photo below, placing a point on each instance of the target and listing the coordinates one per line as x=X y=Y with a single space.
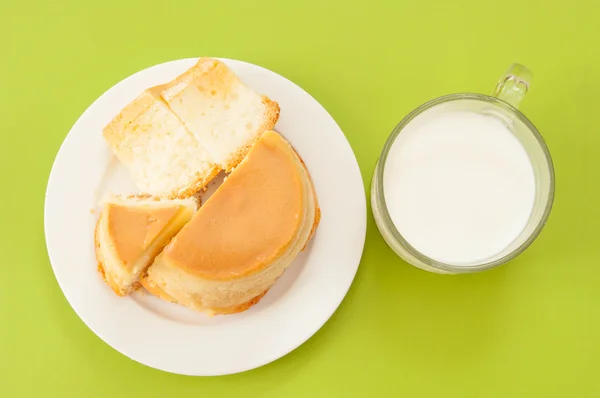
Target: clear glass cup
x=503 y=104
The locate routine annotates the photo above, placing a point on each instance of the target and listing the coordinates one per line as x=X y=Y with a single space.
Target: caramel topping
x=250 y=220
x=133 y=229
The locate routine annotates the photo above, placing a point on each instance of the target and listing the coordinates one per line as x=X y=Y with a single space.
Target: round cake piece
x=243 y=238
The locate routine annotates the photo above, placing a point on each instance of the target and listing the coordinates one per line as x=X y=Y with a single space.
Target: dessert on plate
x=243 y=238
x=174 y=139
x=221 y=112
x=131 y=232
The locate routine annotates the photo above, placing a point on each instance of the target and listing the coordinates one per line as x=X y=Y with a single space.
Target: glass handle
x=513 y=86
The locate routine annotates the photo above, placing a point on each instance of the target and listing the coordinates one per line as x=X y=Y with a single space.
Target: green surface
x=528 y=329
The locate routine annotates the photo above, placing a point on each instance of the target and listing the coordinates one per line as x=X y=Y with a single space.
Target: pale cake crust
x=160 y=293
x=317 y=208
x=239 y=308
x=102 y=272
x=155 y=290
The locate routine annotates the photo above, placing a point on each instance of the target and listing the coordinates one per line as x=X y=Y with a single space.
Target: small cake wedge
x=130 y=232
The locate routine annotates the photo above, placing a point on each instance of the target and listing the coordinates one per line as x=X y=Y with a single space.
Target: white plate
x=172 y=338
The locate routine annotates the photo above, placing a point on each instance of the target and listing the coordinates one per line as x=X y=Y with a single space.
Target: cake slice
x=224 y=114
x=162 y=156
x=176 y=137
x=131 y=232
x=245 y=235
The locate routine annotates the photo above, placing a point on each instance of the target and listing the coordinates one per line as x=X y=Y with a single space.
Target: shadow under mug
x=502 y=104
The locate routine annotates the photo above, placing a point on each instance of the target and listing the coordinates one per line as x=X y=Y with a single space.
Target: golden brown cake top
x=133 y=229
x=250 y=220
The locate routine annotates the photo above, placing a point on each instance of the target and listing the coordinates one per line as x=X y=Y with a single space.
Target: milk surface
x=458 y=185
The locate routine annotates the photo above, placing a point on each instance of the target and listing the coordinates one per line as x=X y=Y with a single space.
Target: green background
x=528 y=329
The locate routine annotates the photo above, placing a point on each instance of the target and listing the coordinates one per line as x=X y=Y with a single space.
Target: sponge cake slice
x=176 y=137
x=224 y=114
x=131 y=232
x=162 y=156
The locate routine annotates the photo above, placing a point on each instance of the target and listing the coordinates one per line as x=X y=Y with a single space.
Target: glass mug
x=502 y=104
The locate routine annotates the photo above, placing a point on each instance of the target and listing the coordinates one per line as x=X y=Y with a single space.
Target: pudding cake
x=243 y=238
x=130 y=232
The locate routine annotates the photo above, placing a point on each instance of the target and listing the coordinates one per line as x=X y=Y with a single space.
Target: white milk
x=458 y=185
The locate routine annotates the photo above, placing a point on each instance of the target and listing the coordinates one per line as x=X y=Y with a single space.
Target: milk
x=459 y=187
